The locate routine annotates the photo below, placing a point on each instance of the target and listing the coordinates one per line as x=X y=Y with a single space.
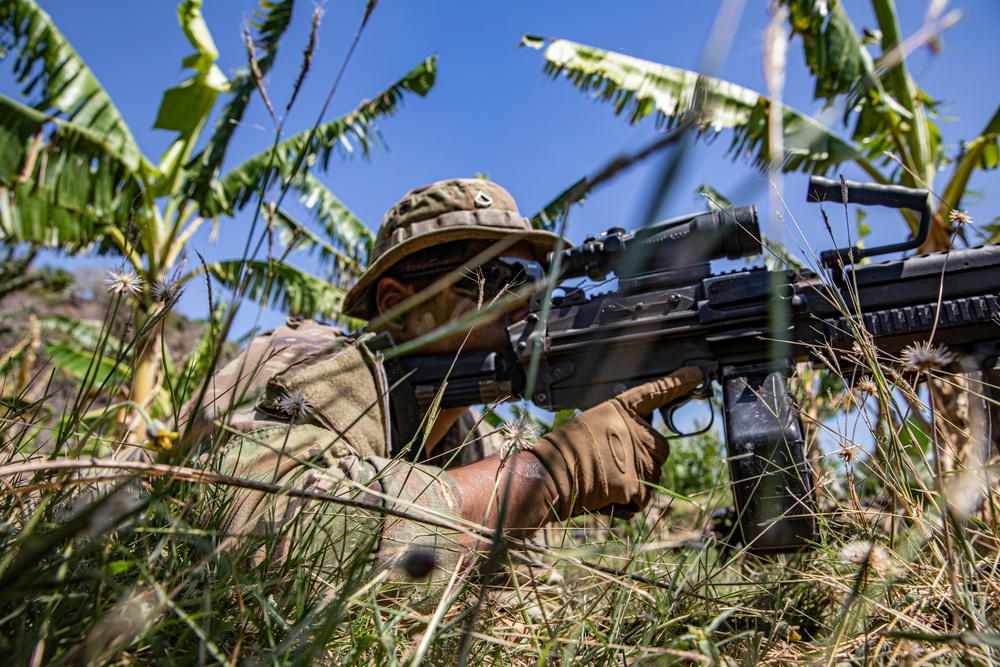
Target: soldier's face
x=486 y=333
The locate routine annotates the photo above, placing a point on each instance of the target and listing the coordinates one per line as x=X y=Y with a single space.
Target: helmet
x=457 y=209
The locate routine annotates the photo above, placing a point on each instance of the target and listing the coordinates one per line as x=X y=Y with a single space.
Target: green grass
x=113 y=554
x=135 y=570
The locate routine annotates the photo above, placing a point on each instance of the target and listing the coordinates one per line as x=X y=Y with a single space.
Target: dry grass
x=120 y=559
x=125 y=564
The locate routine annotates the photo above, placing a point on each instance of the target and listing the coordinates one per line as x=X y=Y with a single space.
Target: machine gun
x=746 y=330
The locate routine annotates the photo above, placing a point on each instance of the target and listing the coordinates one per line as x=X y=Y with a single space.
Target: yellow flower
x=159 y=438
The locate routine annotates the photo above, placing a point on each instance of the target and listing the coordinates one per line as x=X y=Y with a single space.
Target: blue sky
x=494 y=112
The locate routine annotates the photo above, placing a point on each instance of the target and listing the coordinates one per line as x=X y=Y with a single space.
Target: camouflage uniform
x=307 y=408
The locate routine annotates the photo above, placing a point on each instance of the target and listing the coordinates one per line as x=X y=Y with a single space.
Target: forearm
x=520 y=491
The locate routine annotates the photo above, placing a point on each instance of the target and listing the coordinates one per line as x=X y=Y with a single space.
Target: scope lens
x=740 y=232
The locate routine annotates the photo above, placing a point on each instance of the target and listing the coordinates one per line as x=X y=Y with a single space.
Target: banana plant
x=887 y=123
x=73 y=177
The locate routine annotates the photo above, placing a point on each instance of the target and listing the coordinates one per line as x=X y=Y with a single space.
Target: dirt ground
x=85 y=301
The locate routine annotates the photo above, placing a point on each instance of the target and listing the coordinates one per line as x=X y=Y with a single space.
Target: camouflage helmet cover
x=457 y=209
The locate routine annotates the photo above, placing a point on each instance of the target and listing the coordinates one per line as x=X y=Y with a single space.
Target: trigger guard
x=667 y=412
x=701 y=392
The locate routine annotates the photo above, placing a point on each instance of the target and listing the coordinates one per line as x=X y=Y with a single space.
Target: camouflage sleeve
x=332 y=445
x=327 y=535
x=423 y=492
x=232 y=393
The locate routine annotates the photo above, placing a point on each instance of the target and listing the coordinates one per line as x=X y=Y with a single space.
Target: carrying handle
x=872 y=194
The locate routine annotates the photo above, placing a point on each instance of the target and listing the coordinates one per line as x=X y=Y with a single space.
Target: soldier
x=309 y=408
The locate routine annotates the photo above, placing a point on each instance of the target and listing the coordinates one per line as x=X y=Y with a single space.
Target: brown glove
x=604 y=455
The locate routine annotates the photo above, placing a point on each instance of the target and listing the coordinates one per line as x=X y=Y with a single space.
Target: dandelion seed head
x=124 y=282
x=866 y=385
x=295 y=404
x=923 y=357
x=882 y=562
x=848 y=453
x=856 y=552
x=877 y=557
x=517 y=434
x=960 y=217
x=166 y=292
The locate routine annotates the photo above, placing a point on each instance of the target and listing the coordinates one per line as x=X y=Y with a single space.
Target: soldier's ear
x=390 y=293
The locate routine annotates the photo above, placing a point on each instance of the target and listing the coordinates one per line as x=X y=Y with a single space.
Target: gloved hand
x=604 y=455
